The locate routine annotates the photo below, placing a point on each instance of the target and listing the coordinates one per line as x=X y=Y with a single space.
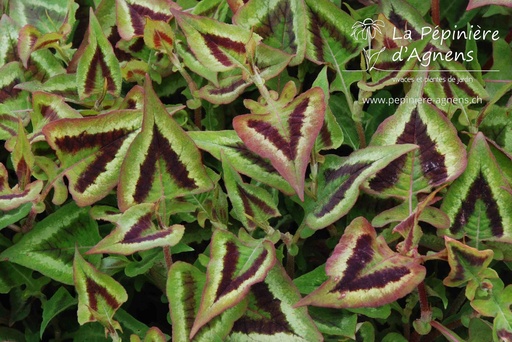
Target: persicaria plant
x=255 y=171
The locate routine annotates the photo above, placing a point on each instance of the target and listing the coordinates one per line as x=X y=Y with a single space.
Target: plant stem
x=168 y=257
x=290 y=264
x=444 y=331
x=422 y=291
x=436 y=12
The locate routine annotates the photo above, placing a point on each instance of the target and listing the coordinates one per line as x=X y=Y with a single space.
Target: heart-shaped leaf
x=99 y=295
x=98 y=71
x=281 y=23
x=478 y=203
x=284 y=131
x=365 y=272
x=162 y=161
x=270 y=315
x=135 y=232
x=91 y=151
x=49 y=247
x=234 y=266
x=338 y=192
x=441 y=156
x=184 y=287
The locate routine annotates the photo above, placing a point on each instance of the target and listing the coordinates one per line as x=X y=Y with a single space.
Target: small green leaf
x=60 y=301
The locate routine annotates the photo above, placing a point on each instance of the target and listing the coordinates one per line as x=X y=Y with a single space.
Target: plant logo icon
x=366 y=30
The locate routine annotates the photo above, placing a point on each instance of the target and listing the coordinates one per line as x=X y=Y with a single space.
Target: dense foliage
x=281 y=170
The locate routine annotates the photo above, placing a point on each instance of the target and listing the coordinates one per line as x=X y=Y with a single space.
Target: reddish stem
x=436 y=12
x=422 y=291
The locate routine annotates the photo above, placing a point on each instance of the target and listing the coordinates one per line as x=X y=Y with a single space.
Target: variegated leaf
x=49 y=247
x=13 y=198
x=218 y=46
x=184 y=287
x=48 y=107
x=13 y=101
x=91 y=151
x=365 y=272
x=233 y=268
x=284 y=131
x=135 y=232
x=281 y=23
x=131 y=15
x=8 y=40
x=329 y=38
x=270 y=315
x=441 y=156
x=98 y=71
x=158 y=35
x=46 y=16
x=162 y=161
x=252 y=205
x=466 y=263
x=22 y=157
x=338 y=191
x=233 y=150
x=478 y=203
x=30 y=40
x=99 y=295
x=52 y=174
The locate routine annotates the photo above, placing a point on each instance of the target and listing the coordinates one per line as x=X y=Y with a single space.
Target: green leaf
x=98 y=70
x=99 y=295
x=60 y=301
x=440 y=158
x=46 y=16
x=162 y=161
x=233 y=268
x=218 y=46
x=466 y=263
x=270 y=315
x=14 y=215
x=91 y=151
x=338 y=191
x=252 y=205
x=233 y=150
x=48 y=248
x=365 y=272
x=497 y=126
x=281 y=24
x=478 y=202
x=135 y=232
x=184 y=286
x=284 y=131
x=12 y=275
x=8 y=40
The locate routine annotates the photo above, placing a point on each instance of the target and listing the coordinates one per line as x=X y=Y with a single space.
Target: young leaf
x=365 y=272
x=158 y=35
x=234 y=266
x=162 y=161
x=233 y=150
x=284 y=131
x=339 y=192
x=281 y=23
x=441 y=156
x=13 y=198
x=466 y=263
x=270 y=315
x=98 y=70
x=22 y=157
x=478 y=203
x=218 y=46
x=48 y=247
x=135 y=232
x=131 y=15
x=152 y=335
x=184 y=286
x=252 y=205
x=91 y=151
x=99 y=295
x=59 y=302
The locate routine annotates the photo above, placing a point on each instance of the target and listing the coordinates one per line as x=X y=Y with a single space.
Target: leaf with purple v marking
x=135 y=232
x=441 y=156
x=478 y=203
x=91 y=151
x=252 y=205
x=233 y=268
x=270 y=315
x=284 y=131
x=365 y=272
x=162 y=161
x=99 y=295
x=184 y=285
x=131 y=15
x=98 y=69
x=339 y=188
x=13 y=198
